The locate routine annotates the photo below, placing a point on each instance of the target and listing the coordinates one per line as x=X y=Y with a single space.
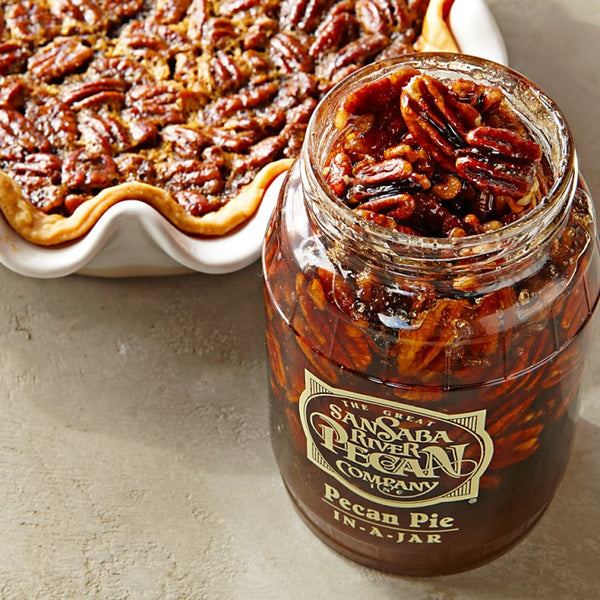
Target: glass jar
x=424 y=391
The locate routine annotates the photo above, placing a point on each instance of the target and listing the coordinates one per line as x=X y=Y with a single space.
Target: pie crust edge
x=51 y=229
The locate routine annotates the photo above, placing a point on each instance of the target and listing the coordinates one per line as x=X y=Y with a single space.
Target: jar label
x=392 y=453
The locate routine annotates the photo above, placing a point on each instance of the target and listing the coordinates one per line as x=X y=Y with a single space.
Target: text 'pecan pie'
x=191 y=106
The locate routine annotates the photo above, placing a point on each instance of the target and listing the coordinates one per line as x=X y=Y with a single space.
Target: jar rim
x=535 y=223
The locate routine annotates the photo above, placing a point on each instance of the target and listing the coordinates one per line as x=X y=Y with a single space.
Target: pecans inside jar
x=432 y=158
x=433 y=259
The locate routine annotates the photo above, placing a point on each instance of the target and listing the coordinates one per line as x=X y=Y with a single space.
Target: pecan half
x=185 y=141
x=39 y=165
x=39 y=176
x=338 y=172
x=118 y=9
x=95 y=93
x=143 y=133
x=499 y=161
x=170 y=11
x=12 y=93
x=18 y=137
x=81 y=16
x=197 y=15
x=339 y=24
x=262 y=152
x=192 y=174
x=232 y=7
x=296 y=87
x=399 y=206
x=103 y=133
x=119 y=68
x=158 y=103
x=31 y=22
x=288 y=52
x=375 y=16
x=433 y=218
x=133 y=167
x=13 y=58
x=196 y=203
x=60 y=57
x=384 y=93
x=437 y=118
x=54 y=119
x=88 y=171
x=226 y=74
x=148 y=36
x=232 y=104
x=259 y=33
x=352 y=56
x=303 y=14
x=388 y=177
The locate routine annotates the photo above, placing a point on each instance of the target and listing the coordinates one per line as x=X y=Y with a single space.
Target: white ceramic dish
x=132 y=239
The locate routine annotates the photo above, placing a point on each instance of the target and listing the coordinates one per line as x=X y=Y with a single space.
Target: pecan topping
x=247 y=99
x=192 y=175
x=219 y=34
x=12 y=93
x=231 y=7
x=387 y=177
x=133 y=167
x=337 y=173
x=339 y=24
x=226 y=73
x=197 y=13
x=308 y=14
x=118 y=9
x=352 y=56
x=147 y=37
x=119 y=68
x=40 y=176
x=259 y=33
x=39 y=165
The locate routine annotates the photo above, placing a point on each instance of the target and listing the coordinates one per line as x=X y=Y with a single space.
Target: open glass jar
x=424 y=390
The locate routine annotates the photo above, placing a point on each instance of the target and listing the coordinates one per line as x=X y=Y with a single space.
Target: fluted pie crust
x=45 y=229
x=51 y=228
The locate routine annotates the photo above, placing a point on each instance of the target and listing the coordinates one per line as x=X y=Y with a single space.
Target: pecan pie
x=193 y=106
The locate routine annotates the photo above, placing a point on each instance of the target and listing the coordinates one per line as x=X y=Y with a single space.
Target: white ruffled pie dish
x=133 y=239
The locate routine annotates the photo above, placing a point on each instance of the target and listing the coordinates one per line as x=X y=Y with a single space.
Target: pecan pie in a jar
x=430 y=277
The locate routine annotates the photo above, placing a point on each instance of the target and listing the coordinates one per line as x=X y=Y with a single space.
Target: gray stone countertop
x=135 y=460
